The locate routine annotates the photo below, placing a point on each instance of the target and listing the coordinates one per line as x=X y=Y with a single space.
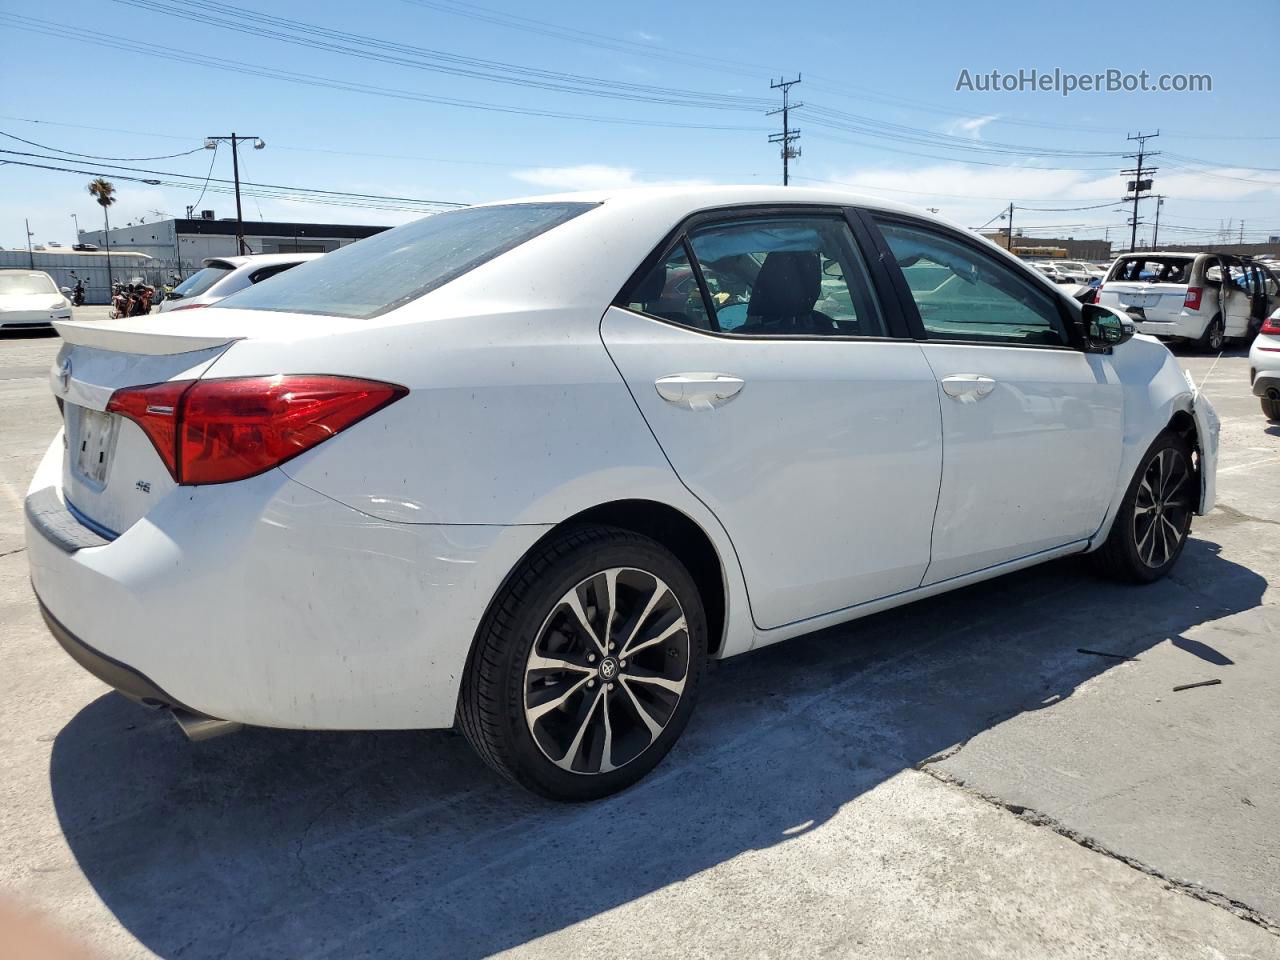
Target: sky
x=446 y=100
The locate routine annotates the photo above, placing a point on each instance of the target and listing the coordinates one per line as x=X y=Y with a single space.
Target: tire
x=1214 y=337
x=1132 y=551
x=1271 y=408
x=532 y=695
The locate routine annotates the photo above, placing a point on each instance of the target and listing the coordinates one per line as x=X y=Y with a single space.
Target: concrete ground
x=954 y=779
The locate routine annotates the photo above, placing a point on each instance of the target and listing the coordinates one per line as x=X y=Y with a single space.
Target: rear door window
x=385 y=271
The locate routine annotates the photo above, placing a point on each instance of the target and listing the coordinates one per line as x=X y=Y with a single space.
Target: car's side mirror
x=1105 y=327
x=832 y=268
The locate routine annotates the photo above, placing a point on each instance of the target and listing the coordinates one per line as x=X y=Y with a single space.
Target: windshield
x=388 y=270
x=24 y=284
x=199 y=282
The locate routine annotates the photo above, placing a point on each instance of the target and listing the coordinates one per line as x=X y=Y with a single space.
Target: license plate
x=97 y=441
x=1143 y=299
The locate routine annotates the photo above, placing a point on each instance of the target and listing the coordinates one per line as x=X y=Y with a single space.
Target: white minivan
x=1182 y=296
x=223 y=276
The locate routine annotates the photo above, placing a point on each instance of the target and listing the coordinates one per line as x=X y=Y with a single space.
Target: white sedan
x=30 y=299
x=1264 y=366
x=222 y=276
x=530 y=465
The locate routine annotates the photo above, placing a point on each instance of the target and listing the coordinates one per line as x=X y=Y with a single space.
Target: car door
x=763 y=357
x=1031 y=425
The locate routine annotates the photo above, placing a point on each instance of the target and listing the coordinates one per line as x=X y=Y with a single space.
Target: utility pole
x=1242 y=231
x=1155 y=233
x=234 y=139
x=788 y=136
x=1009 y=230
x=31 y=257
x=1138 y=185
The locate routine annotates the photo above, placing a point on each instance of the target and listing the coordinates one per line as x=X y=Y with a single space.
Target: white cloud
x=592 y=176
x=970 y=126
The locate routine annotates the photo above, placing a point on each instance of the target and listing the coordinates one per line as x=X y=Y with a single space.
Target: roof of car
x=700 y=196
x=261 y=259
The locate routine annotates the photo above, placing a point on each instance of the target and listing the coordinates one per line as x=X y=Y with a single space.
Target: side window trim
x=1069 y=324
x=704 y=291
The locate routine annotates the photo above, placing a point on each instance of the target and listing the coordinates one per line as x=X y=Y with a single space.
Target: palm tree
x=104 y=192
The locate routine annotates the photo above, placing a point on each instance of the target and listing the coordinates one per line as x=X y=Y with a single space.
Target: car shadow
x=276 y=843
x=28 y=333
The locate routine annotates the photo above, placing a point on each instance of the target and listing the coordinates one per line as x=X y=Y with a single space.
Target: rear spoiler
x=150 y=335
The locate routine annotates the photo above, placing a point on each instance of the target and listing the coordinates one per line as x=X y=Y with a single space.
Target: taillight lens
x=216 y=431
x=1271 y=326
x=1192 y=300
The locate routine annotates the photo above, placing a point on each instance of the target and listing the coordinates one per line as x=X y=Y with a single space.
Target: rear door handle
x=699 y=391
x=967 y=387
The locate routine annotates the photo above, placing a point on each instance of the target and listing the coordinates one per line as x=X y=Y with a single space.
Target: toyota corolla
x=527 y=466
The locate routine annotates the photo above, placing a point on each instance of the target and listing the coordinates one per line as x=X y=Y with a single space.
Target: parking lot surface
x=955 y=778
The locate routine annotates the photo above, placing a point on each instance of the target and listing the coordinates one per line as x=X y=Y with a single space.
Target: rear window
x=199 y=282
x=22 y=284
x=387 y=270
x=1153 y=269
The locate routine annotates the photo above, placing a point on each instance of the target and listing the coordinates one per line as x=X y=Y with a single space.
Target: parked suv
x=1183 y=296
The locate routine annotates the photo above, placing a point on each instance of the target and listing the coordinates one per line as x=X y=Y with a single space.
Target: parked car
x=223 y=276
x=530 y=465
x=30 y=298
x=1183 y=296
x=1264 y=366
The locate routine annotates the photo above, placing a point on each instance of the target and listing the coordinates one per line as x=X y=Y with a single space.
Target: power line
x=90 y=156
x=63 y=32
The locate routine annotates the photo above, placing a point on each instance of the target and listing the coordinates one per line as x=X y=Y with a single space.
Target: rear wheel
x=1271 y=408
x=587 y=666
x=1151 y=527
x=1214 y=336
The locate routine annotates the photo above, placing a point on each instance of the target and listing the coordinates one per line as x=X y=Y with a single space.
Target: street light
x=211 y=143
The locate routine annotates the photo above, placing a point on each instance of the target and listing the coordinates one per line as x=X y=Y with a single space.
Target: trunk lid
x=111 y=472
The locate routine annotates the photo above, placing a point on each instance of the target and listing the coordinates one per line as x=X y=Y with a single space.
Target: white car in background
x=529 y=465
x=1183 y=296
x=1264 y=366
x=29 y=299
x=223 y=276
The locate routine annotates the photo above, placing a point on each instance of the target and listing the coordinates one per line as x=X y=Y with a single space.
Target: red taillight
x=1271 y=326
x=1192 y=300
x=155 y=410
x=215 y=431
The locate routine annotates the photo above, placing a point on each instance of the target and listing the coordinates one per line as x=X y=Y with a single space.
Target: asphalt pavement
x=952 y=779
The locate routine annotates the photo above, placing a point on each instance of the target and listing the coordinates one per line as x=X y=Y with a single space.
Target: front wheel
x=1271 y=408
x=1154 y=520
x=587 y=665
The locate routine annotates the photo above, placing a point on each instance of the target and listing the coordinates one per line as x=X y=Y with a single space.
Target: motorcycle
x=119 y=301
x=77 y=293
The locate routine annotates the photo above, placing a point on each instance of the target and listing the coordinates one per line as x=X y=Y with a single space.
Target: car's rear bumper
x=1267 y=385
x=266 y=603
x=1186 y=326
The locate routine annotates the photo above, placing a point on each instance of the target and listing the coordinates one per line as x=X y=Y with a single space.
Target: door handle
x=967 y=387
x=699 y=391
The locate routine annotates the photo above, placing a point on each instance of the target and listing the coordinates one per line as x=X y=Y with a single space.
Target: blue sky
x=864 y=65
